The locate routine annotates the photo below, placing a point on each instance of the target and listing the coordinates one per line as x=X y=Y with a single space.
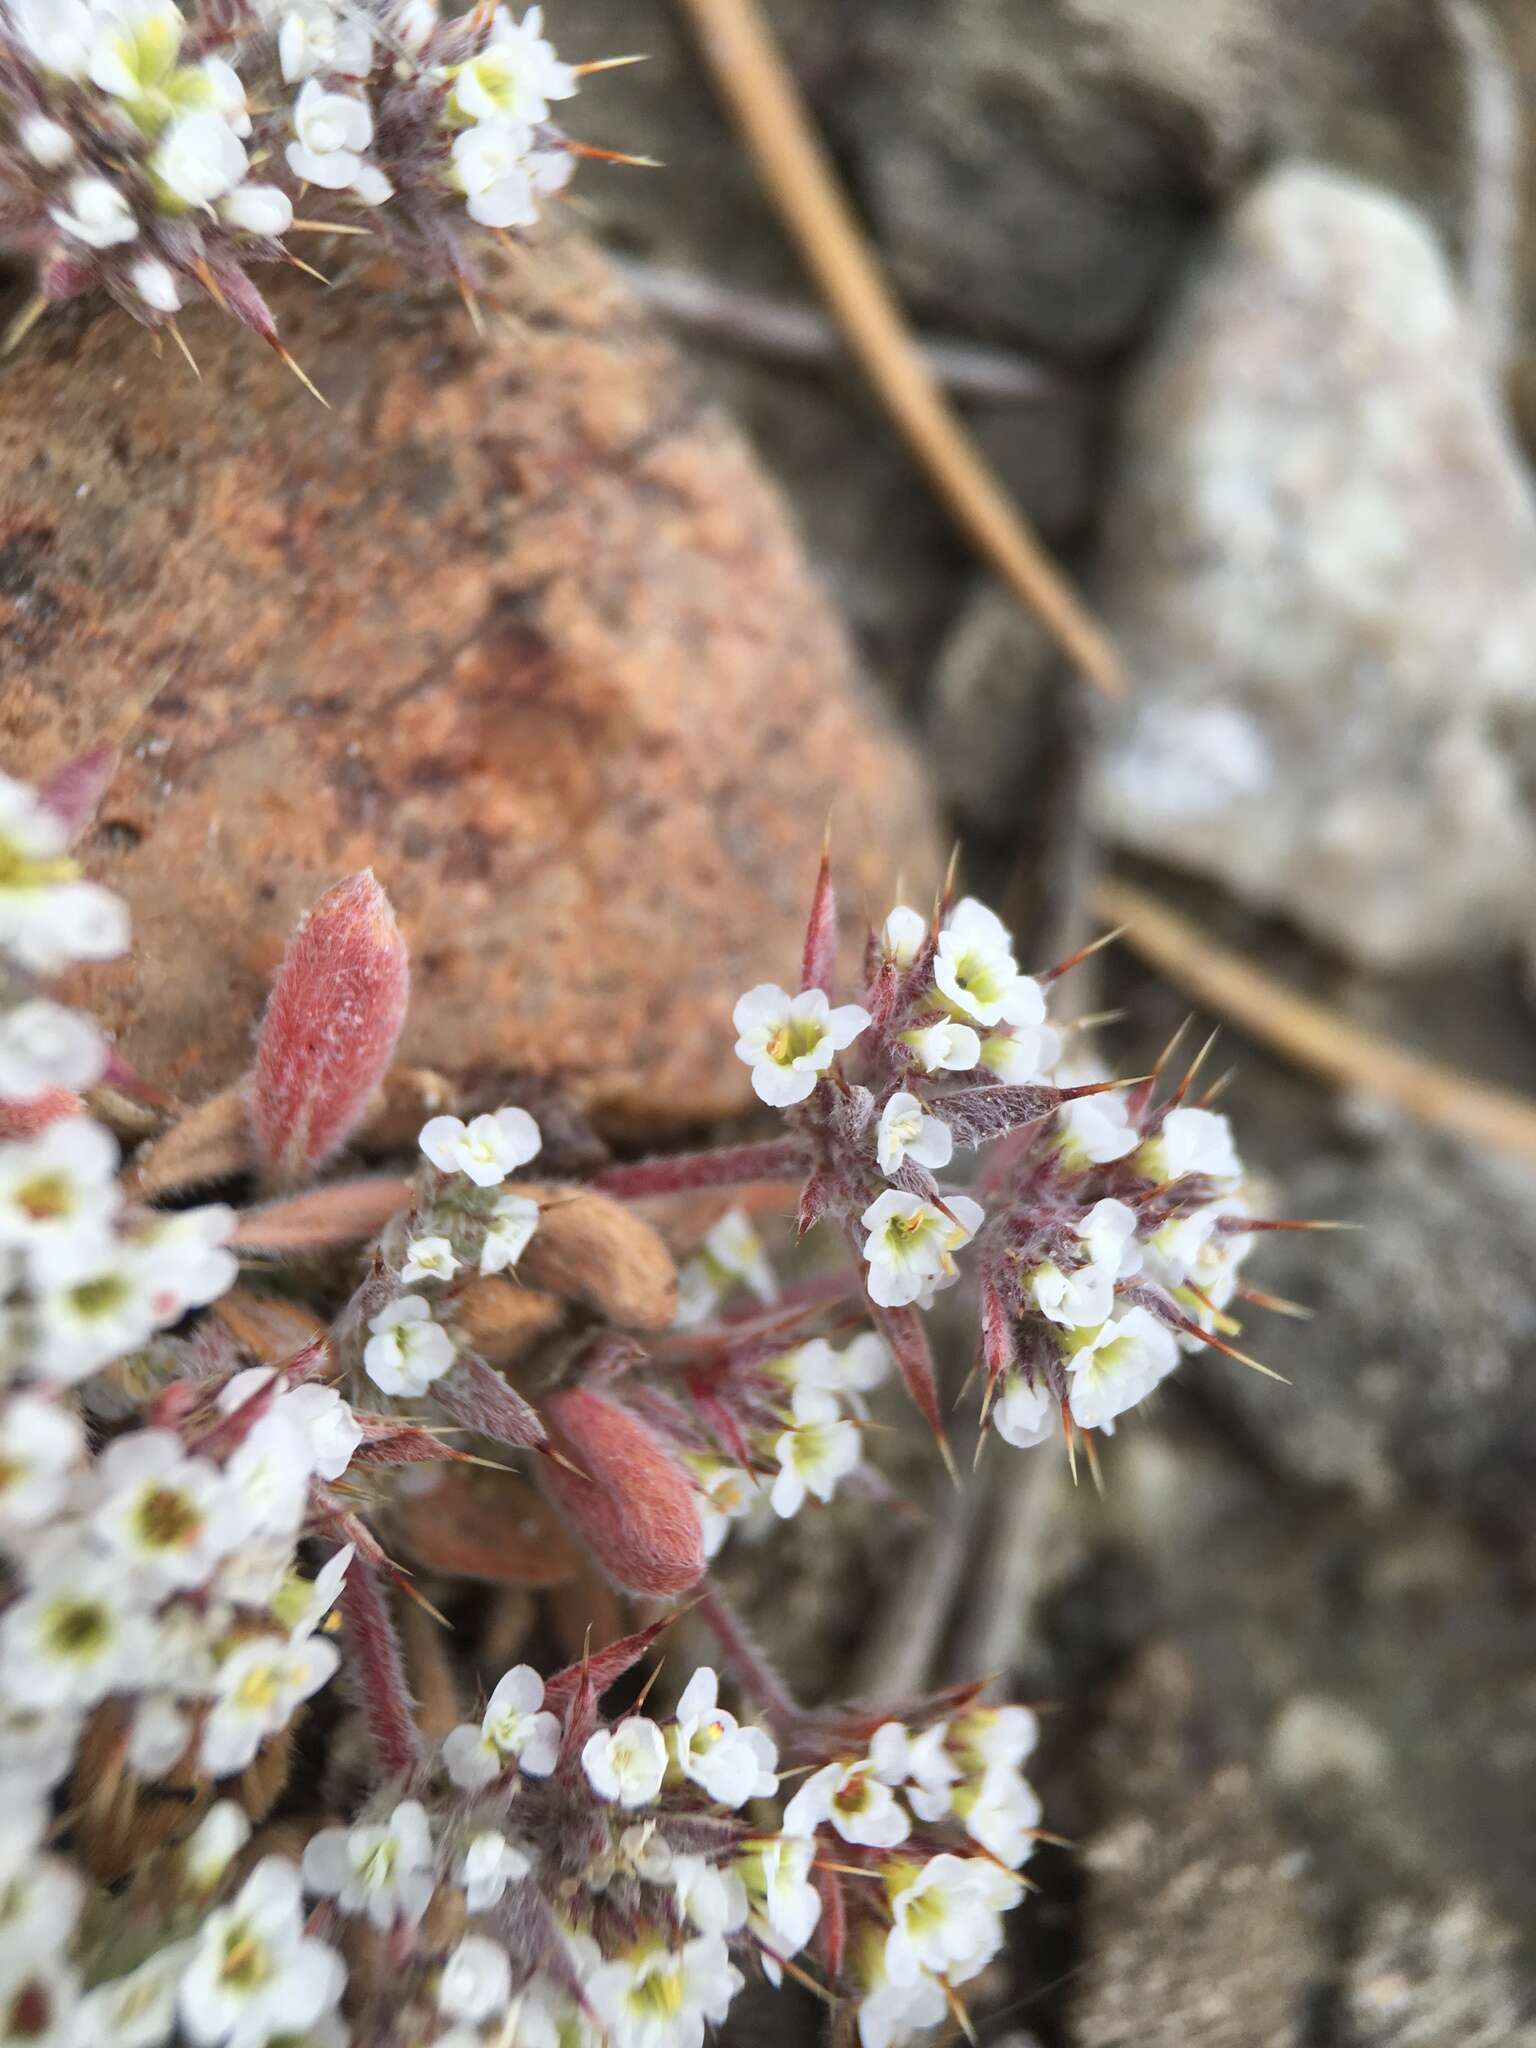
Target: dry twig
x=762 y=94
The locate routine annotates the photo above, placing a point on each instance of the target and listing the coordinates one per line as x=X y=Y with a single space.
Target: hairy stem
x=378 y=1671
x=732 y=1166
x=746 y=1662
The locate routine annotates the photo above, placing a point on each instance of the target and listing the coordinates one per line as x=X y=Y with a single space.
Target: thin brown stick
x=1312 y=1036
x=757 y=84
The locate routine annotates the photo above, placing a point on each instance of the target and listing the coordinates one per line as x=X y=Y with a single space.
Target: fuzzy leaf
x=629 y=1499
x=330 y=1029
x=347 y=1213
x=732 y=1166
x=74 y=792
x=977 y=1116
x=819 y=962
x=902 y=1329
x=997 y=1343
x=211 y=1142
x=814 y=1198
x=832 y=1935
x=481 y=1399
x=602 y=1669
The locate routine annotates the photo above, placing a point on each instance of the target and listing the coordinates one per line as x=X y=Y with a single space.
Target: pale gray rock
x=1320 y=561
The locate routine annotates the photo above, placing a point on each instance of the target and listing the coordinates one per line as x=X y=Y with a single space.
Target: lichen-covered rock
x=1320 y=561
x=518 y=624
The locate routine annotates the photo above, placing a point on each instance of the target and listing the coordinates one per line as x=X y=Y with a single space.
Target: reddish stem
x=732 y=1166
x=378 y=1671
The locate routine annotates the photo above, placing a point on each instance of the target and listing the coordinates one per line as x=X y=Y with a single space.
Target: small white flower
x=407 y=1350
x=908 y=1131
x=316 y=35
x=1001 y=1813
x=726 y=1493
x=514 y=1219
x=626 y=1763
x=330 y=1428
x=910 y=1244
x=138 y=2010
x=1096 y=1130
x=490 y=1864
x=1024 y=1413
x=186 y=1260
x=371 y=185
x=255 y=1976
x=733 y=1246
x=985 y=1738
x=790 y=1041
x=476 y=1984
x=97 y=214
x=490 y=167
x=268 y=1477
x=217 y=1840
x=1118 y=1366
x=49 y=918
x=77 y=1636
x=155 y=283
x=1192 y=1141
x=513 y=1729
x=1079 y=1299
x=92 y=1301
x=1109 y=1232
x=904 y=935
x=1021 y=1054
x=383 y=1871
x=713 y=1900
x=515 y=76
x=134 y=53
x=820 y=1448
x=303 y=1604
x=947 y=1918
x=660 y=1997
x=43 y=1046
x=429 y=1258
x=333 y=129
x=165 y=1514
x=48 y=143
x=854 y=1799
x=488 y=1149
x=785 y=1904
x=258 y=209
x=223 y=86
x=59 y=1183
x=158 y=1738
x=199 y=159
x=39 y=2001
x=260 y=1683
x=39 y=1895
x=415 y=22
x=974 y=967
x=731 y=1763
x=944 y=1047
x=57 y=33
x=891 y=2014
x=41 y=1445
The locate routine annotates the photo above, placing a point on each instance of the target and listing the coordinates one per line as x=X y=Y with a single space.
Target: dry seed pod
x=629 y=1498
x=503 y=1321
x=269 y=1327
x=592 y=1249
x=210 y=1143
x=488 y=1526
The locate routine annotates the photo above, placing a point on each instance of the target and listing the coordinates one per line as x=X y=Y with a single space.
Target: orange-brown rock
x=519 y=624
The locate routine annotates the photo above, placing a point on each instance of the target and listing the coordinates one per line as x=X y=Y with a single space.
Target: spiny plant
x=226 y=1820
x=158 y=153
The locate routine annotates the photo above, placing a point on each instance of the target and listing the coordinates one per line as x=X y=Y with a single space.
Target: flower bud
x=636 y=1507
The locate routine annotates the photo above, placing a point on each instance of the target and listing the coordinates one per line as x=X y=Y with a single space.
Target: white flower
x=223 y=86
x=99 y=216
x=661 y=1997
x=155 y=283
x=199 y=159
x=255 y=1975
x=947 y=1918
x=1001 y=1813
x=714 y=1900
x=944 y=1047
x=333 y=129
x=785 y=1903
x=890 y=2014
x=371 y=185
x=790 y=1041
x=39 y=1895
x=1021 y=1054
x=988 y=1737
x=626 y=1763
x=733 y=1247
x=490 y=167
x=48 y=143
x=92 y=1300
x=1024 y=1413
x=41 y=1444
x=138 y=2010
x=512 y=1730
x=1079 y=1299
x=429 y=1258
x=158 y=1738
x=302 y=1604
x=930 y=1770
x=43 y=1046
x=57 y=1183
x=855 y=1800
x=726 y=1493
x=185 y=1258
x=268 y=1476
x=57 y=33
x=1192 y=1141
x=907 y=1131
x=476 y=1984
x=904 y=935
x=910 y=1244
x=330 y=1429
x=731 y=1763
x=217 y=1840
x=49 y=918
x=382 y=1870
x=260 y=1683
x=78 y=1635
x=490 y=1864
x=134 y=53
x=316 y=35
x=1109 y=1232
x=515 y=76
x=820 y=1448
x=488 y=1149
x=415 y=22
x=1118 y=1365
x=258 y=209
x=1096 y=1130
x=165 y=1514
x=975 y=970
x=407 y=1350
x=39 y=2001
x=514 y=1219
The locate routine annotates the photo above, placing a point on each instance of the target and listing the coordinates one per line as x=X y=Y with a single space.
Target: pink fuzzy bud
x=820 y=958
x=636 y=1507
x=330 y=1029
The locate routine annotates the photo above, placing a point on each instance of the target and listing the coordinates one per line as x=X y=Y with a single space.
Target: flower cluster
x=155 y=152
